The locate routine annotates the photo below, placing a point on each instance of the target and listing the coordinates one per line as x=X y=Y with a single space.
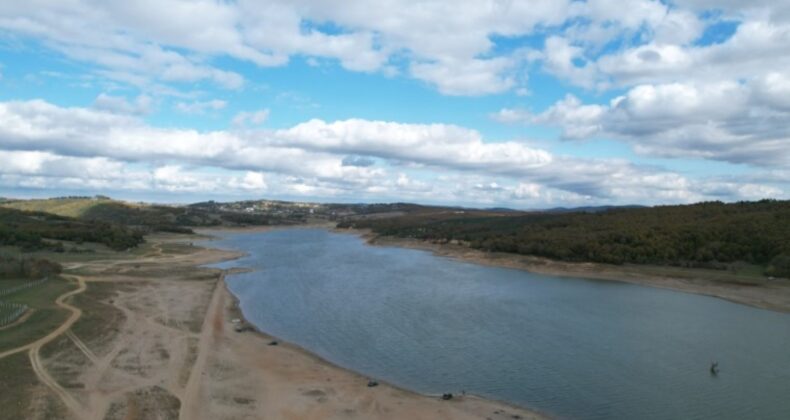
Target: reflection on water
x=573 y=348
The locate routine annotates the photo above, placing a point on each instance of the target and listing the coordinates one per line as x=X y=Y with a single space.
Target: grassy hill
x=143 y=217
x=68 y=206
x=38 y=230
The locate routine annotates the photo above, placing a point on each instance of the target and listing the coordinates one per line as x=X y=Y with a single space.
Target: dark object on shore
x=447 y=396
x=273 y=343
x=714 y=368
x=372 y=383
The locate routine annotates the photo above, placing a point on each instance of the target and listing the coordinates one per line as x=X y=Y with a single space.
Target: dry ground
x=149 y=337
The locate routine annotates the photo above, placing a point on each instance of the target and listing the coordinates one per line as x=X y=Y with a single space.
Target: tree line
x=709 y=234
x=32 y=231
x=27 y=268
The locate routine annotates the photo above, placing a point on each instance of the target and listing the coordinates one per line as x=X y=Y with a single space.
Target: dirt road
x=150 y=338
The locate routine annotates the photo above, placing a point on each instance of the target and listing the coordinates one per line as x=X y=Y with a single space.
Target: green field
x=15 y=382
x=46 y=314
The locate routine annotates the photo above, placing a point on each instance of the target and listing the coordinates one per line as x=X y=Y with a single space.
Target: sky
x=485 y=103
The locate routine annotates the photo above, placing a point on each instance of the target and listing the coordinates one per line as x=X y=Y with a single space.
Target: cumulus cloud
x=593 y=44
x=134 y=42
x=360 y=161
x=42 y=143
x=725 y=121
x=467 y=77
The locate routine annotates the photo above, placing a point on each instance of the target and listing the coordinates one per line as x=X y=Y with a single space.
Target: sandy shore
x=151 y=337
x=773 y=295
x=284 y=381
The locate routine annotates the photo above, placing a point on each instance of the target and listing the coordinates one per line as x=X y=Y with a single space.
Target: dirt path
x=241 y=375
x=212 y=326
x=161 y=346
x=73 y=317
x=35 y=359
x=85 y=350
x=20 y=320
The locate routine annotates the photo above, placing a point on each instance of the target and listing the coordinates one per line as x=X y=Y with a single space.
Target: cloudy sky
x=527 y=104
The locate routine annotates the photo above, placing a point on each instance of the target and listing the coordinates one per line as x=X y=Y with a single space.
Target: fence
x=15 y=289
x=10 y=311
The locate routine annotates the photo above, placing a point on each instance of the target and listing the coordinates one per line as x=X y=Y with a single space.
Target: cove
x=572 y=348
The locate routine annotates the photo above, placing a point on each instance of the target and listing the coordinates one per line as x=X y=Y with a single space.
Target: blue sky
x=521 y=104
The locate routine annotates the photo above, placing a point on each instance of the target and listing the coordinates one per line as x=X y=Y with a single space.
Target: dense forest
x=30 y=231
x=710 y=235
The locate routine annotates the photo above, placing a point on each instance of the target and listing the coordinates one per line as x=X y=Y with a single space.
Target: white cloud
x=467 y=77
x=135 y=41
x=434 y=144
x=255 y=117
x=54 y=147
x=201 y=107
x=726 y=121
x=448 y=46
x=141 y=105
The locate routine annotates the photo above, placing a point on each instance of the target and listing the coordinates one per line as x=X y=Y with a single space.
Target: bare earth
x=768 y=294
x=151 y=338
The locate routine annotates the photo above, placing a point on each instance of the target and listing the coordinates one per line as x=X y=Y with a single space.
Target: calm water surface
x=572 y=348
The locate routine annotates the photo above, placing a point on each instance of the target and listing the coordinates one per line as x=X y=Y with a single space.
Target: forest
x=31 y=231
x=169 y=219
x=707 y=235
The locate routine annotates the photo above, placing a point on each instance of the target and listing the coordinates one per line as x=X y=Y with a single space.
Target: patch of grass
x=41 y=322
x=65 y=362
x=189 y=360
x=69 y=207
x=9 y=283
x=156 y=402
x=100 y=322
x=46 y=316
x=42 y=295
x=6 y=310
x=16 y=386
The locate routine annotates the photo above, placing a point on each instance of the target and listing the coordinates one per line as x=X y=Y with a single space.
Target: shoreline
x=469 y=404
x=236 y=309
x=774 y=296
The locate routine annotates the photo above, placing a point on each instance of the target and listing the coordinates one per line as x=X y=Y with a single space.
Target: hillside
x=143 y=217
x=37 y=230
x=706 y=235
x=65 y=206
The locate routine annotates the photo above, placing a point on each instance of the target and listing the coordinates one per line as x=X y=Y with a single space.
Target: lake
x=571 y=348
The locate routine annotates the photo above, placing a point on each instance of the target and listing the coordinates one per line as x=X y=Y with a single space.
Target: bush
x=779 y=266
x=28 y=268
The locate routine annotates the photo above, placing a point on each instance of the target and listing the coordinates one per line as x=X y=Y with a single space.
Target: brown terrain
x=149 y=336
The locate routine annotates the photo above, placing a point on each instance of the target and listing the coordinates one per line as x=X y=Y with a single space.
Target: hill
x=706 y=235
x=37 y=230
x=142 y=217
x=64 y=206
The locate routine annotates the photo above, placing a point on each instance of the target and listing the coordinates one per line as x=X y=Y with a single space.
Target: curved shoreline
x=467 y=406
x=770 y=295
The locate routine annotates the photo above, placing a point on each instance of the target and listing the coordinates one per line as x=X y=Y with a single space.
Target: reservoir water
x=572 y=348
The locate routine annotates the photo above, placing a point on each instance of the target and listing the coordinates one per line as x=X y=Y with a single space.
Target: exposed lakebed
x=572 y=348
